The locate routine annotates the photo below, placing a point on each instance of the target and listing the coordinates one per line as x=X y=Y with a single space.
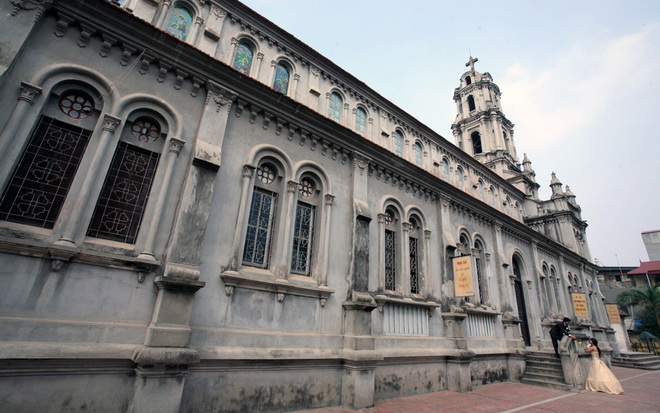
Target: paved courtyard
x=641 y=387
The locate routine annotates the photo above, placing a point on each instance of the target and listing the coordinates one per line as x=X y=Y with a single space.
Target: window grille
x=121 y=204
x=41 y=182
x=258 y=237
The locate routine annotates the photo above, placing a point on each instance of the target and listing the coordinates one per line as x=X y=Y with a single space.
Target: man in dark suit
x=558 y=332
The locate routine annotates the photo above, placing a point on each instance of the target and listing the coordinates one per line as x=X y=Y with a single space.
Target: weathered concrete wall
x=91 y=392
x=230 y=387
x=396 y=379
x=491 y=369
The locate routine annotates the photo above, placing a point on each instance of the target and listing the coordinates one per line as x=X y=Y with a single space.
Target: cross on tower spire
x=471 y=62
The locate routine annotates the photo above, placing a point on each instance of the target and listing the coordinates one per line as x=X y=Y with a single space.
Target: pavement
x=641 y=395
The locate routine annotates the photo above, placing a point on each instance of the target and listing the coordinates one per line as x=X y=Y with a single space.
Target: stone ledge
x=233 y=279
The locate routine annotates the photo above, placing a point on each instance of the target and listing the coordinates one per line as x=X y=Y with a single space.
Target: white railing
x=405 y=319
x=480 y=325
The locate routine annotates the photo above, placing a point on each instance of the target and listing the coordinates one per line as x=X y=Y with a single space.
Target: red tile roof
x=649 y=267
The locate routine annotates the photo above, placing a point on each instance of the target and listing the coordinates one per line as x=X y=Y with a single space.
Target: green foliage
x=647 y=298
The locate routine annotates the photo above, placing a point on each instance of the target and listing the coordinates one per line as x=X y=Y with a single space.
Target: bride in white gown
x=600 y=377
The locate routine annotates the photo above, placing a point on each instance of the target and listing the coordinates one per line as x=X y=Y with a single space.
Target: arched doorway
x=520 y=301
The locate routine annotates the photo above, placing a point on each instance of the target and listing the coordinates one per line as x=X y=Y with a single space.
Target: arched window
x=481 y=190
x=468 y=80
x=281 y=81
x=476 y=143
x=243 y=58
x=417 y=148
x=415 y=254
x=305 y=227
x=479 y=263
x=471 y=104
x=398 y=143
x=41 y=181
x=121 y=204
x=180 y=22
x=445 y=169
x=262 y=215
x=391 y=223
x=459 y=175
x=361 y=121
x=336 y=103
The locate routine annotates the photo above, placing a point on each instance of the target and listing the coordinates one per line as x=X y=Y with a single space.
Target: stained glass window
x=243 y=58
x=180 y=22
x=145 y=130
x=445 y=169
x=336 y=103
x=266 y=174
x=418 y=154
x=281 y=82
x=481 y=189
x=459 y=172
x=361 y=121
x=120 y=208
x=390 y=260
x=306 y=188
x=76 y=105
x=398 y=143
x=258 y=237
x=303 y=236
x=41 y=182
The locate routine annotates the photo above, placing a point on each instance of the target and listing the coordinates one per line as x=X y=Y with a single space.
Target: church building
x=199 y=212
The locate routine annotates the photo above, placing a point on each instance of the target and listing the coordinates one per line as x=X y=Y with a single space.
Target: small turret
x=555 y=184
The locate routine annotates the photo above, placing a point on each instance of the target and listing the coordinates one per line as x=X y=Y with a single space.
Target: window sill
x=384 y=299
x=481 y=310
x=279 y=286
x=37 y=244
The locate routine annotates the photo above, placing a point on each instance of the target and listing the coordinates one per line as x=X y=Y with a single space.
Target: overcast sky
x=579 y=79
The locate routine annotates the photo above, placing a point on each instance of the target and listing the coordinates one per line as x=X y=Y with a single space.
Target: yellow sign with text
x=463 y=276
x=580 y=305
x=613 y=313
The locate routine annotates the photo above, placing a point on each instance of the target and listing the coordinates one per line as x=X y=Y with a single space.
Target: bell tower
x=480 y=128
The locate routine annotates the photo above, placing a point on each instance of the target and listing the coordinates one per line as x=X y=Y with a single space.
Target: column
x=294 y=86
x=381 y=252
x=72 y=225
x=405 y=276
x=195 y=31
x=163 y=13
x=271 y=76
x=257 y=68
x=248 y=172
x=232 y=51
x=29 y=94
x=329 y=199
x=173 y=153
x=290 y=204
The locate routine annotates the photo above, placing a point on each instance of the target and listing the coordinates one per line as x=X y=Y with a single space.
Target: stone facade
x=201 y=213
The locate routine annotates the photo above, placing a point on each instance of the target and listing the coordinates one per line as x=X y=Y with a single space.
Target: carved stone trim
x=110 y=123
x=29 y=92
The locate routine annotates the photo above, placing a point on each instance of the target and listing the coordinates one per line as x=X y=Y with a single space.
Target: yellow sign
x=613 y=313
x=580 y=305
x=463 y=276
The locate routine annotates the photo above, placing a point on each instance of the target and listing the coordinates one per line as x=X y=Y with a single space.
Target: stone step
x=545 y=383
x=559 y=374
x=644 y=361
x=543 y=363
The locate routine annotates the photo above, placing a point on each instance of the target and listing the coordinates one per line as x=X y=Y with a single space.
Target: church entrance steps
x=544 y=369
x=644 y=361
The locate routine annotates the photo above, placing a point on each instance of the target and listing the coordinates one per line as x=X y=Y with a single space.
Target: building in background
x=652 y=244
x=199 y=212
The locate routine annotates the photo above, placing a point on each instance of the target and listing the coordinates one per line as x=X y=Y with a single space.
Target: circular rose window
x=145 y=130
x=76 y=105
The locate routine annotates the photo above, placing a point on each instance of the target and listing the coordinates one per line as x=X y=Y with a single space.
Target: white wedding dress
x=601 y=378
